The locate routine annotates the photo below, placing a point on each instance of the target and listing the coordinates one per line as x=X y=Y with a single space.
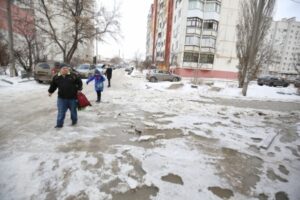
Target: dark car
x=297 y=83
x=272 y=81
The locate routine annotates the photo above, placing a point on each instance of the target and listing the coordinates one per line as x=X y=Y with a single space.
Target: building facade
x=48 y=50
x=196 y=37
x=284 y=37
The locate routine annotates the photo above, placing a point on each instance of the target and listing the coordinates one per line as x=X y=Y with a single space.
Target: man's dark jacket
x=68 y=85
x=108 y=72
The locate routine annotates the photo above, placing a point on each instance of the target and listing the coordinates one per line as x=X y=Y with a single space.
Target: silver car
x=85 y=70
x=159 y=75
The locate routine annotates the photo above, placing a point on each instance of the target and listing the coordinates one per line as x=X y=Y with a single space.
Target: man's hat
x=63 y=65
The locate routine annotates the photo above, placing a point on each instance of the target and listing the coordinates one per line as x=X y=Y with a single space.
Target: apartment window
x=193 y=22
x=207 y=41
x=211 y=25
x=193 y=57
x=195 y=4
x=192 y=40
x=207 y=58
x=179 y=13
x=190 y=57
x=212 y=7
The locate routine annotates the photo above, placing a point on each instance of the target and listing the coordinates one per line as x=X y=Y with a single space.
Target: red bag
x=82 y=100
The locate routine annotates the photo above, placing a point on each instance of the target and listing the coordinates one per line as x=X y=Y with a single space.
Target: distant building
x=49 y=51
x=284 y=38
x=195 y=37
x=22 y=20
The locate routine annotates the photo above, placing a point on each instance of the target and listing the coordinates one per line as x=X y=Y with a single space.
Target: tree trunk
x=12 y=68
x=245 y=86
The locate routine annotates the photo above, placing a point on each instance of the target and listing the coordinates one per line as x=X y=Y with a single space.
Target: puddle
x=289 y=135
x=272 y=176
x=241 y=170
x=172 y=178
x=263 y=196
x=176 y=86
x=220 y=192
x=256 y=140
x=281 y=196
x=283 y=169
x=82 y=196
x=294 y=151
x=141 y=193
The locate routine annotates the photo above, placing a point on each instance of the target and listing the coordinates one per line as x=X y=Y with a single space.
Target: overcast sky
x=134 y=25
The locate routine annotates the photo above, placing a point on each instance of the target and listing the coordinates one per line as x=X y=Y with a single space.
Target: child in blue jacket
x=99 y=79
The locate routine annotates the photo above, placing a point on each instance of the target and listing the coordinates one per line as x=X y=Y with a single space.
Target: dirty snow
x=141 y=132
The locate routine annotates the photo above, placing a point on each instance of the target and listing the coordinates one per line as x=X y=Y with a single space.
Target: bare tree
x=69 y=24
x=254 y=22
x=116 y=60
x=24 y=52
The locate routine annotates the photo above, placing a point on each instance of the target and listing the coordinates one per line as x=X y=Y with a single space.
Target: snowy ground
x=151 y=141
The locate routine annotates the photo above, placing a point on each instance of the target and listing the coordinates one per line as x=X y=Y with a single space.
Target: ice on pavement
x=141 y=132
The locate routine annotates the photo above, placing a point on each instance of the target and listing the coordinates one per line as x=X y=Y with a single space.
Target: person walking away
x=99 y=79
x=108 y=74
x=68 y=85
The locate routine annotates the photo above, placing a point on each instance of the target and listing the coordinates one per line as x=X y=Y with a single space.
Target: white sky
x=134 y=25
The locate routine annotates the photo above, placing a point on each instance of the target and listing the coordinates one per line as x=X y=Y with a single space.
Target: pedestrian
x=68 y=85
x=108 y=74
x=99 y=79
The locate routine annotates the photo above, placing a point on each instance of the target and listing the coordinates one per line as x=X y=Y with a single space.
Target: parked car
x=297 y=83
x=159 y=75
x=100 y=67
x=85 y=70
x=272 y=81
x=44 y=71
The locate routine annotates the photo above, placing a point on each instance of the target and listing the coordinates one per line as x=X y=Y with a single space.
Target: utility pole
x=12 y=70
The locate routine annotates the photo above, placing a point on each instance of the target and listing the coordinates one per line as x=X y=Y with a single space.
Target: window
x=212 y=7
x=207 y=58
x=190 y=57
x=192 y=40
x=193 y=57
x=211 y=25
x=194 y=22
x=207 y=41
x=195 y=4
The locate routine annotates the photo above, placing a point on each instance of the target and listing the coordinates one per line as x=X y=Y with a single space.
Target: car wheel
x=39 y=81
x=175 y=79
x=260 y=84
x=285 y=85
x=153 y=79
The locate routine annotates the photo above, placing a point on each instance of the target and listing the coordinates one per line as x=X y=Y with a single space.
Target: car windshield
x=84 y=66
x=44 y=66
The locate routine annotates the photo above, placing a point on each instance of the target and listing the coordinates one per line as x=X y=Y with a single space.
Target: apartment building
x=22 y=20
x=49 y=51
x=196 y=37
x=284 y=36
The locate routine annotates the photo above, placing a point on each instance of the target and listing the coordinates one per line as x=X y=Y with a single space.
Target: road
x=113 y=150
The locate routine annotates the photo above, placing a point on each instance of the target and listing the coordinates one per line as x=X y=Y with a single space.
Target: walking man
x=68 y=85
x=108 y=74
